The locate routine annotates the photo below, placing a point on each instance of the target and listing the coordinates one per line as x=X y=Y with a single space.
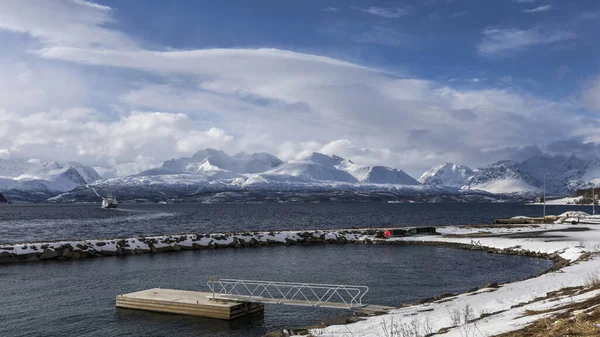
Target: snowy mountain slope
x=153 y=187
x=317 y=166
x=34 y=180
x=88 y=174
x=447 y=174
x=590 y=171
x=216 y=164
x=321 y=167
x=387 y=175
x=374 y=174
x=559 y=171
x=503 y=177
x=563 y=175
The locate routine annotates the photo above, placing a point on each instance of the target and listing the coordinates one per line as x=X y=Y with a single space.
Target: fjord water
x=78 y=297
x=26 y=223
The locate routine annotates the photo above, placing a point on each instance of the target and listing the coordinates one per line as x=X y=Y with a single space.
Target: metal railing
x=304 y=294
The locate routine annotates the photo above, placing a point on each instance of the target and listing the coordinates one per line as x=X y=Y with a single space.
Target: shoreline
x=565 y=244
x=507 y=307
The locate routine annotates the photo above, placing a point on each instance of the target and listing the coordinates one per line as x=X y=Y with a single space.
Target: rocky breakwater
x=68 y=250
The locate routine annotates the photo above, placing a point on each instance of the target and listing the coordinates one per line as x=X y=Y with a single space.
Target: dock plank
x=186 y=302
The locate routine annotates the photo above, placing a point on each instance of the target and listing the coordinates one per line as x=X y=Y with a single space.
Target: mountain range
x=34 y=180
x=212 y=175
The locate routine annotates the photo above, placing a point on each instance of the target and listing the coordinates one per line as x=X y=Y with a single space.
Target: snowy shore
x=510 y=307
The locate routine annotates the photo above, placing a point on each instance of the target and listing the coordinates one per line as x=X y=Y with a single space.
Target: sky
x=125 y=85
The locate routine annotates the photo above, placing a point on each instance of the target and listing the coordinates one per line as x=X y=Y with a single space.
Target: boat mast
x=544 y=196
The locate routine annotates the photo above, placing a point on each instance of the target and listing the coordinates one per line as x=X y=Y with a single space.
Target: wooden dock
x=184 y=302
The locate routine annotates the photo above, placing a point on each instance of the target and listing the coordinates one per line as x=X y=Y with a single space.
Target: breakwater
x=81 y=249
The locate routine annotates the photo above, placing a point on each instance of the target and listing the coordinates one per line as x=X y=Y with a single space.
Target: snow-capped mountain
x=217 y=164
x=388 y=175
x=212 y=174
x=563 y=175
x=589 y=172
x=212 y=171
x=447 y=174
x=503 y=177
x=316 y=166
x=34 y=180
x=321 y=167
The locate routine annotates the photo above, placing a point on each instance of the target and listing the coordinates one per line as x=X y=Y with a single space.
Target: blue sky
x=408 y=84
x=436 y=40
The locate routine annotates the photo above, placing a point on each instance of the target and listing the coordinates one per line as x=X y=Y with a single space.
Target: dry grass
x=565 y=323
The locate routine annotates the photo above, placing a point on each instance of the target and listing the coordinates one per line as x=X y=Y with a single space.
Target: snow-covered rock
x=447 y=174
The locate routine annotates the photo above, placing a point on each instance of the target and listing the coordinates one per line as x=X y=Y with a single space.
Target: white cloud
x=539 y=9
x=591 y=95
x=4 y=154
x=73 y=23
x=79 y=134
x=500 y=41
x=273 y=100
x=390 y=13
x=330 y=9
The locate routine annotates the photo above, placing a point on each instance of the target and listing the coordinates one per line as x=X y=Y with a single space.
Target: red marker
x=387 y=233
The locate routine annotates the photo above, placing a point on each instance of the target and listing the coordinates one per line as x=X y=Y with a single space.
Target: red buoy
x=387 y=233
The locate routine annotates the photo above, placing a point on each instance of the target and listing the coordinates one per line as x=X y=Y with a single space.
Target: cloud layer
x=152 y=104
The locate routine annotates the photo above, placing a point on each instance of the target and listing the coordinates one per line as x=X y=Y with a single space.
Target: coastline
x=502 y=309
x=572 y=248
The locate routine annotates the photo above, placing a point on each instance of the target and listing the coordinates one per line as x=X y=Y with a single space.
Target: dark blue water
x=21 y=223
x=76 y=298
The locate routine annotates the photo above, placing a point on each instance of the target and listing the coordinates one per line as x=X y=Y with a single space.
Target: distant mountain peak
x=209 y=161
x=447 y=174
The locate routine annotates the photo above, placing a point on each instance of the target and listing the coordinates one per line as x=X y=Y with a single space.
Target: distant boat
x=109 y=201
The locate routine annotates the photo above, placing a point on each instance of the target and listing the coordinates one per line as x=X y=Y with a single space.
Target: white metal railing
x=304 y=294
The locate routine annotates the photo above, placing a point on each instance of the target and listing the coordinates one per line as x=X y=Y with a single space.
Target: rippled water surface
x=20 y=223
x=77 y=298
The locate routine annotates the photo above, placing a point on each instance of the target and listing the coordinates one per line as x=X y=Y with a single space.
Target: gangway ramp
x=334 y=296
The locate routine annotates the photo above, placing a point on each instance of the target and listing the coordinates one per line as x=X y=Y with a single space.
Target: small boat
x=109 y=201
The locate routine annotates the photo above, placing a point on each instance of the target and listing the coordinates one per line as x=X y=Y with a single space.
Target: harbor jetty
x=81 y=249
